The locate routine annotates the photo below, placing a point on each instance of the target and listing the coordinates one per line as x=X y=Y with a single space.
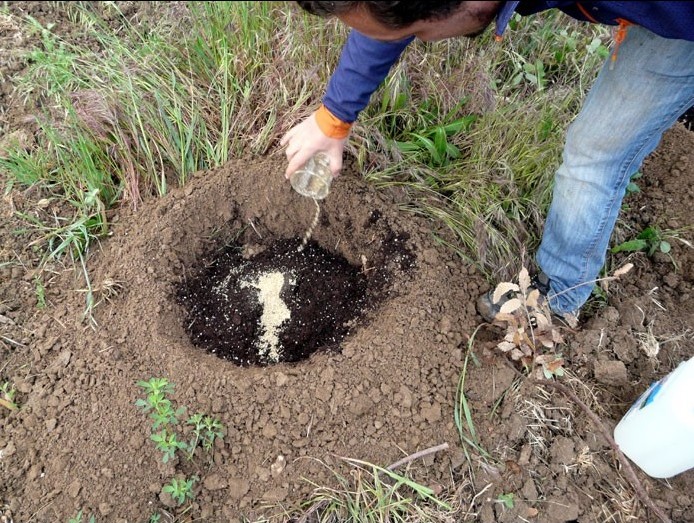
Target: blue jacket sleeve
x=364 y=64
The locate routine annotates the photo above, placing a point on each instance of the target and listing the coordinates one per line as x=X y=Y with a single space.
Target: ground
x=384 y=390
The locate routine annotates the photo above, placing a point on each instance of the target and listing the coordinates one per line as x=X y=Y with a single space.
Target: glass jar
x=313 y=179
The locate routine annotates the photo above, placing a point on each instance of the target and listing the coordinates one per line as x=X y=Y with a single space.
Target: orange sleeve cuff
x=330 y=124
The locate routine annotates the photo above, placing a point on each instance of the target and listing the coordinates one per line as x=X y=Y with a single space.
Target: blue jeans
x=630 y=106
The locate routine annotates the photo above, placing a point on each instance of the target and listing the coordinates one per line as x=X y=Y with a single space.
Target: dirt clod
x=610 y=372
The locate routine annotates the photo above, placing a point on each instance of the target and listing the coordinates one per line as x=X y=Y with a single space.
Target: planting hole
x=260 y=305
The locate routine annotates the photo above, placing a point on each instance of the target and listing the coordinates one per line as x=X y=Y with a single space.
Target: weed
x=432 y=145
x=371 y=494
x=165 y=419
x=632 y=186
x=78 y=519
x=157 y=404
x=168 y=443
x=40 y=291
x=206 y=429
x=68 y=237
x=462 y=414
x=181 y=489
x=7 y=395
x=508 y=499
x=650 y=240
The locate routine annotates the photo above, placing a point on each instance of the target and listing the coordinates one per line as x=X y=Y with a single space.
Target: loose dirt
x=382 y=388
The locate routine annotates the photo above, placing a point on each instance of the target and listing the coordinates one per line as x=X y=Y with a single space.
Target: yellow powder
x=275 y=312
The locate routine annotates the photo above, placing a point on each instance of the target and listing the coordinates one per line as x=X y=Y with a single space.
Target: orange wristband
x=330 y=124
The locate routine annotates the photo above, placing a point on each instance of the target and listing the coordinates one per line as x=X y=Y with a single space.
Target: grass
x=472 y=129
x=371 y=494
x=494 y=194
x=463 y=414
x=132 y=115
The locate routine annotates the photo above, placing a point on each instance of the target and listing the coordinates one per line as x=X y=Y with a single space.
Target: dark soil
x=384 y=389
x=323 y=293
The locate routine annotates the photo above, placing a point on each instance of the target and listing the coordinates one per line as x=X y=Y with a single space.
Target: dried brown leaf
x=517 y=336
x=533 y=298
x=502 y=289
x=552 y=366
x=510 y=306
x=623 y=270
x=524 y=280
x=7 y=404
x=506 y=346
x=510 y=319
x=516 y=354
x=605 y=285
x=541 y=359
x=545 y=340
x=543 y=322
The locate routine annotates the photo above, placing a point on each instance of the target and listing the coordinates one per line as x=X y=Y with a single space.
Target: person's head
x=395 y=20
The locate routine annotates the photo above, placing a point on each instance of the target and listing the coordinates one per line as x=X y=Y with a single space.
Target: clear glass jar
x=313 y=179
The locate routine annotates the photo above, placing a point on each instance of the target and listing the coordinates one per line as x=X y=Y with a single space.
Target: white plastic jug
x=657 y=433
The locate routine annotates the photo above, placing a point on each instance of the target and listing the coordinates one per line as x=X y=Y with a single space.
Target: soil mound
x=372 y=393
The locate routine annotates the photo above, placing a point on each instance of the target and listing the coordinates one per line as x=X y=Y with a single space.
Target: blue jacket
x=365 y=62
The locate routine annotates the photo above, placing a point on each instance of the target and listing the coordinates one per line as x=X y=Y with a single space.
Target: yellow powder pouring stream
x=309 y=231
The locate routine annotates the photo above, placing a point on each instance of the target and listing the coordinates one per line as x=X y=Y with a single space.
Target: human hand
x=305 y=139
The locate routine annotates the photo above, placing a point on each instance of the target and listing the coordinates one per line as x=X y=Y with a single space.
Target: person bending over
x=644 y=86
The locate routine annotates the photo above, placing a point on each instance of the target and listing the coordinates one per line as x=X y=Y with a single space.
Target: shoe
x=540 y=282
x=489 y=310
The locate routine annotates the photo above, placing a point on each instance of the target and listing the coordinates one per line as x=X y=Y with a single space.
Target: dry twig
x=417 y=455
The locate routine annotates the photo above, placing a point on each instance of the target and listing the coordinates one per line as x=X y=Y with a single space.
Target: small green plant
x=633 y=187
x=206 y=430
x=157 y=404
x=165 y=420
x=650 y=240
x=78 y=519
x=168 y=443
x=40 y=293
x=180 y=489
x=506 y=499
x=7 y=394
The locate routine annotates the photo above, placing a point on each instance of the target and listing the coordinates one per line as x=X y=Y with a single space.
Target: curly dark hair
x=395 y=14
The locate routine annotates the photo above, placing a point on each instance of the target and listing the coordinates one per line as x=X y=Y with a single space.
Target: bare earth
x=388 y=391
